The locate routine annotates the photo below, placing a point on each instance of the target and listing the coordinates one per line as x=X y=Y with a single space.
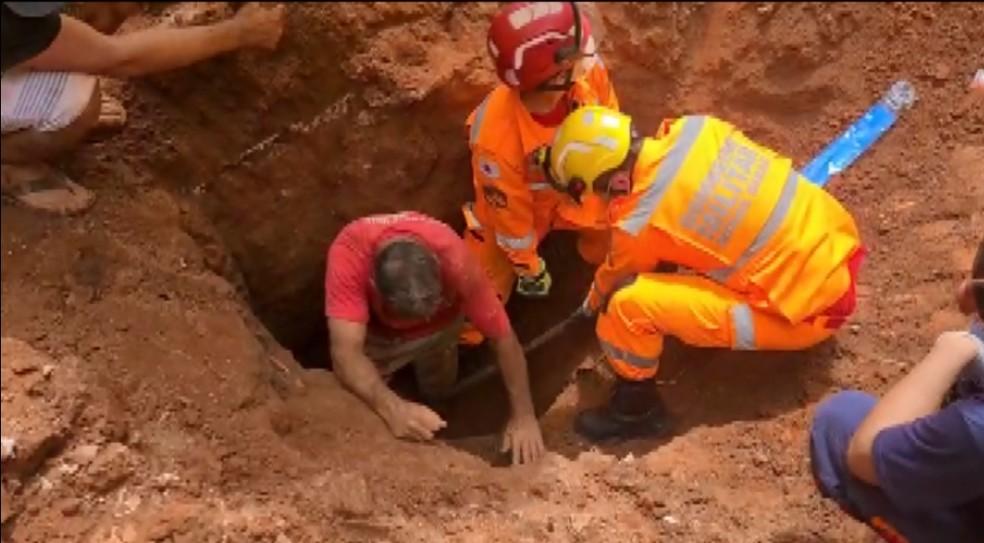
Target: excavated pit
x=278 y=185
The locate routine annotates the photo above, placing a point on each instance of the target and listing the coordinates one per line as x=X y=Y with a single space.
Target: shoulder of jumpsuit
x=597 y=77
x=647 y=167
x=653 y=163
x=670 y=124
x=494 y=134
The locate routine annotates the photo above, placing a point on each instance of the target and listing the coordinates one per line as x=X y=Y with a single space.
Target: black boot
x=634 y=411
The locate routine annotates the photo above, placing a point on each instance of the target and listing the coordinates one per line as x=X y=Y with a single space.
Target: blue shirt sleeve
x=933 y=462
x=977 y=329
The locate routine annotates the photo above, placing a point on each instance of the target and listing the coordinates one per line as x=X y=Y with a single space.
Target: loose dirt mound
x=149 y=402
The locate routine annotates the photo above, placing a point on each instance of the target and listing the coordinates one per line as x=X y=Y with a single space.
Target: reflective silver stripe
x=769 y=229
x=726 y=193
x=476 y=127
x=667 y=171
x=625 y=356
x=593 y=288
x=741 y=318
x=515 y=244
x=539 y=186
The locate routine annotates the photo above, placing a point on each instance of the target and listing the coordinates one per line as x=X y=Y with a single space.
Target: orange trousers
x=699 y=312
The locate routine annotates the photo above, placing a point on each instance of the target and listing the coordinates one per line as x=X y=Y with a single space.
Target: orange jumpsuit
x=515 y=207
x=774 y=257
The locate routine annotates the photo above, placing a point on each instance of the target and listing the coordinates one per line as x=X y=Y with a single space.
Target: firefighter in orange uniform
x=546 y=59
x=774 y=257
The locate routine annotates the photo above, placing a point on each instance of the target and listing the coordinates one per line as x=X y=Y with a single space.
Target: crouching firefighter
x=546 y=58
x=774 y=258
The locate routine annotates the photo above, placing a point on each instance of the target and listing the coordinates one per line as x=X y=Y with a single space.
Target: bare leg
x=27 y=147
x=27 y=176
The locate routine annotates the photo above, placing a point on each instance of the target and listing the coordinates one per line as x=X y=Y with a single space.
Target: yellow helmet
x=590 y=142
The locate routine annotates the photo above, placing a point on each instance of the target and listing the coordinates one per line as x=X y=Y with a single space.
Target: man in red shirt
x=397 y=291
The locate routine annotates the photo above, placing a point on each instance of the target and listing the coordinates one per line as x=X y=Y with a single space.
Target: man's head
x=536 y=45
x=408 y=278
x=593 y=151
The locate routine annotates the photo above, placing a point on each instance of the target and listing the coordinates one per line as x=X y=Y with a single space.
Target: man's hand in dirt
x=523 y=438
x=261 y=26
x=408 y=420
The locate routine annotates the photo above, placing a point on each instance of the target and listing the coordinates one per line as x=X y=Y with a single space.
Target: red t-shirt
x=349 y=294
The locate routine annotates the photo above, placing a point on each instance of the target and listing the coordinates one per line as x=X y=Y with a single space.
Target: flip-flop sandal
x=52 y=193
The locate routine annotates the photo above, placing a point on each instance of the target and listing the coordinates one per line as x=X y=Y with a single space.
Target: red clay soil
x=148 y=379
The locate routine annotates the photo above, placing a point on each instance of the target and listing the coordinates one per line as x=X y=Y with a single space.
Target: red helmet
x=529 y=40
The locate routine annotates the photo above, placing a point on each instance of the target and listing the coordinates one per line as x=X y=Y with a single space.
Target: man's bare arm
x=522 y=435
x=359 y=374
x=918 y=394
x=81 y=48
x=354 y=369
x=512 y=363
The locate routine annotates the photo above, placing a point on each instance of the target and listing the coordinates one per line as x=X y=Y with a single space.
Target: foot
x=45 y=189
x=604 y=424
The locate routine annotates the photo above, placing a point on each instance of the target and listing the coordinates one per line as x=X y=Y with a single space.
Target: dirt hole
x=483 y=409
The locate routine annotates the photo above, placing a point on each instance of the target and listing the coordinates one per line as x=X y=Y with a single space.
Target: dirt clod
x=38 y=416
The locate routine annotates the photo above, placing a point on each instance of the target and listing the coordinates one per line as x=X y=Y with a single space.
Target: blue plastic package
x=844 y=150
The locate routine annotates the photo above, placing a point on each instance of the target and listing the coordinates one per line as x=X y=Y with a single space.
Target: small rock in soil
x=111 y=468
x=71 y=507
x=83 y=454
x=38 y=422
x=8 y=448
x=760 y=459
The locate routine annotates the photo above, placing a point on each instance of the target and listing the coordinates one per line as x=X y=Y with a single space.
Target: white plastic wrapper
x=978 y=82
x=8 y=448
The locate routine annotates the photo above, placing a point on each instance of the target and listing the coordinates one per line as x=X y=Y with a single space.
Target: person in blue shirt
x=911 y=464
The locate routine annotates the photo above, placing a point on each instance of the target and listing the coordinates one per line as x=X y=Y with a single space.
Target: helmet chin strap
x=575 y=189
x=564 y=85
x=620 y=184
x=567 y=53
